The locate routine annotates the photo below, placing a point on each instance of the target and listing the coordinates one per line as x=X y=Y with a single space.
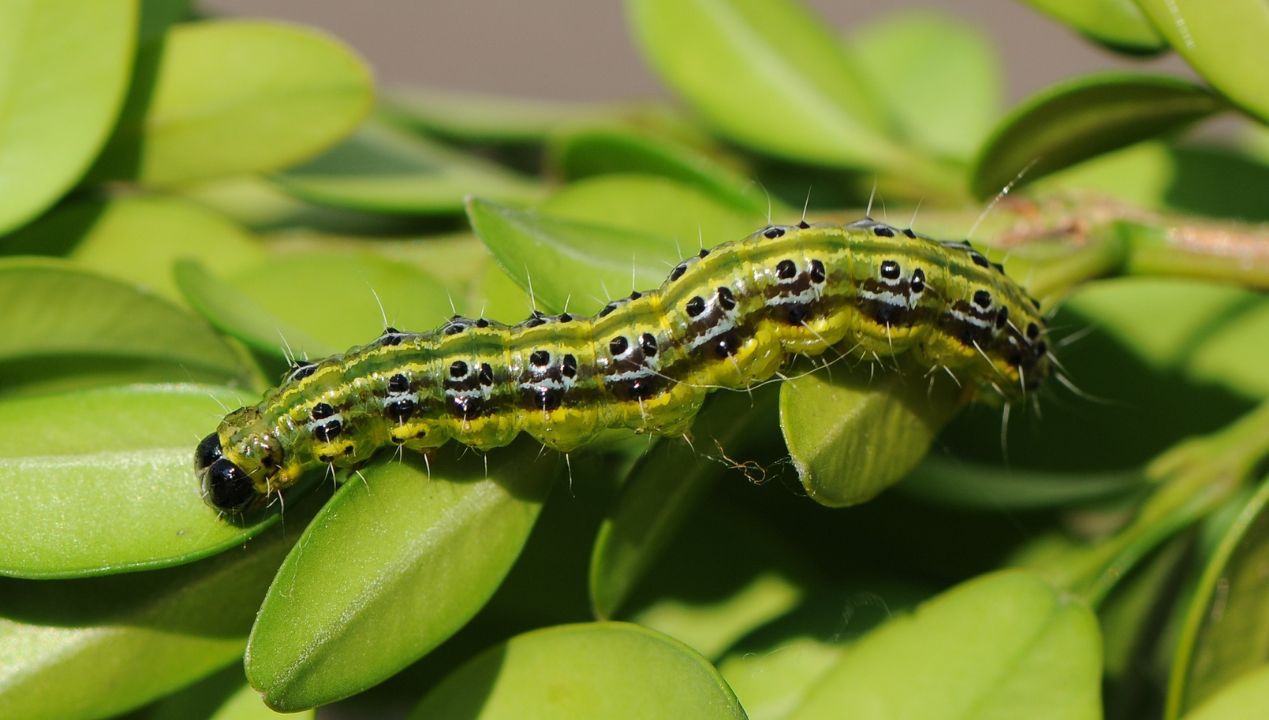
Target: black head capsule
x=225 y=486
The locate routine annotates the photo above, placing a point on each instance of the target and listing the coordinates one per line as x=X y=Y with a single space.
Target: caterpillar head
x=233 y=463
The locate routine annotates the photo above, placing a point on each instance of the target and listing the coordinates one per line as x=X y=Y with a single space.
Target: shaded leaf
x=595 y=670
x=967 y=484
x=223 y=696
x=383 y=169
x=1242 y=698
x=477 y=118
x=1082 y=118
x=1224 y=41
x=63 y=77
x=1226 y=633
x=138 y=239
x=599 y=150
x=99 y=646
x=1004 y=645
x=663 y=489
x=63 y=326
x=102 y=481
x=852 y=435
x=225 y=97
x=396 y=563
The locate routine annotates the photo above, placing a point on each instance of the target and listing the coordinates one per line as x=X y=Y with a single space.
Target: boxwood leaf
x=102 y=481
x=569 y=262
x=397 y=562
x=1117 y=23
x=62 y=325
x=138 y=239
x=1082 y=118
x=597 y=150
x=99 y=646
x=225 y=97
x=477 y=118
x=769 y=75
x=1226 y=631
x=1241 y=698
x=596 y=670
x=852 y=435
x=1224 y=41
x=664 y=487
x=222 y=696
x=63 y=77
x=382 y=169
x=1004 y=645
x=947 y=64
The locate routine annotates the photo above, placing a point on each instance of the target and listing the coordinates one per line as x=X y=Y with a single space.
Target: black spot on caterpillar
x=729 y=318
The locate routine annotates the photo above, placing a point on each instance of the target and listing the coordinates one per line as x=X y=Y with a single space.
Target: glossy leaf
x=138 y=239
x=1242 y=698
x=1004 y=645
x=664 y=487
x=1117 y=23
x=608 y=670
x=223 y=696
x=1083 y=118
x=394 y=564
x=385 y=170
x=476 y=118
x=64 y=326
x=238 y=315
x=345 y=309
x=661 y=206
x=1224 y=41
x=225 y=97
x=102 y=481
x=768 y=75
x=852 y=435
x=100 y=646
x=1226 y=633
x=583 y=264
x=981 y=486
x=600 y=150
x=944 y=88
x=63 y=76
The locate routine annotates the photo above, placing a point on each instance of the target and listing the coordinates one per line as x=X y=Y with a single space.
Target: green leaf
x=662 y=206
x=357 y=289
x=768 y=75
x=1223 y=41
x=1242 y=698
x=382 y=169
x=475 y=118
x=852 y=435
x=138 y=239
x=236 y=314
x=564 y=261
x=979 y=486
x=944 y=88
x=100 y=646
x=63 y=74
x=222 y=696
x=665 y=487
x=225 y=97
x=771 y=685
x=102 y=481
x=599 y=670
x=396 y=563
x=62 y=326
x=1116 y=23
x=598 y=150
x=1226 y=632
x=1004 y=645
x=1082 y=118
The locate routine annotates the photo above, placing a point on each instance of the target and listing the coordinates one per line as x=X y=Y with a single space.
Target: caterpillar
x=727 y=318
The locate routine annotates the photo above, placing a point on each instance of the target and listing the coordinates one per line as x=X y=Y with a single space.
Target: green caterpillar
x=729 y=318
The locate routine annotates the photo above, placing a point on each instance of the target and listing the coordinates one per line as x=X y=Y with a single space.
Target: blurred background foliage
x=186 y=200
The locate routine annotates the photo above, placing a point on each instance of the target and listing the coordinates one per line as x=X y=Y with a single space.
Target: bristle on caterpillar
x=728 y=318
